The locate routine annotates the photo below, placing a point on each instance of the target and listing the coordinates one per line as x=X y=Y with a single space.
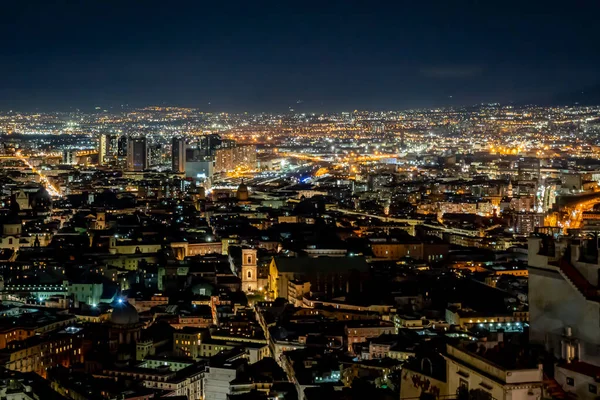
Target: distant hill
x=587 y=97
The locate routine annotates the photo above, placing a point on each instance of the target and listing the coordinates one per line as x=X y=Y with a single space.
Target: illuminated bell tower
x=101 y=220
x=249 y=270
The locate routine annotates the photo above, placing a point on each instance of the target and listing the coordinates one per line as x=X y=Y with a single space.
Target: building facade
x=137 y=154
x=249 y=270
x=178 y=155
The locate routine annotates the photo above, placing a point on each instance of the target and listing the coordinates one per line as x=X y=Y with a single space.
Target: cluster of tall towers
x=113 y=147
x=137 y=153
x=134 y=149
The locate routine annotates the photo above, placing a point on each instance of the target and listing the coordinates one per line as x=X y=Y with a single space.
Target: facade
x=579 y=379
x=143 y=349
x=332 y=275
x=396 y=251
x=249 y=270
x=468 y=318
x=200 y=171
x=217 y=382
x=188 y=342
x=22 y=199
x=37 y=354
x=529 y=169
x=41 y=292
x=88 y=293
x=231 y=375
x=100 y=223
x=472 y=371
x=185 y=249
x=131 y=247
x=103 y=143
x=137 y=154
x=525 y=223
x=228 y=159
x=122 y=146
x=564 y=305
x=69 y=157
x=178 y=155
x=45 y=325
x=173 y=377
x=296 y=291
x=208 y=144
x=360 y=331
x=196 y=343
x=17 y=386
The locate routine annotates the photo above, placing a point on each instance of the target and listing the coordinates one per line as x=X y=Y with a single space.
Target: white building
x=564 y=308
x=472 y=371
x=88 y=293
x=564 y=304
x=216 y=382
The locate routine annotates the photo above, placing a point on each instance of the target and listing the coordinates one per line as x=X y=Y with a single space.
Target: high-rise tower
x=178 y=155
x=122 y=146
x=137 y=154
x=103 y=140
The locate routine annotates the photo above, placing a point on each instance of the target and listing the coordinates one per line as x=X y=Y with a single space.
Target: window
x=593 y=389
x=570 y=381
x=249 y=274
x=249 y=259
x=462 y=383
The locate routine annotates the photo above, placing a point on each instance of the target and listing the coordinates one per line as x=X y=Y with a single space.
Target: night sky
x=309 y=55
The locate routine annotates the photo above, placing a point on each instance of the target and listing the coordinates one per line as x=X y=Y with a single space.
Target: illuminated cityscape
x=294 y=201
x=140 y=249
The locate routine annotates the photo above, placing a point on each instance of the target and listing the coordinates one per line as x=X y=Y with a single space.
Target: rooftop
x=320 y=264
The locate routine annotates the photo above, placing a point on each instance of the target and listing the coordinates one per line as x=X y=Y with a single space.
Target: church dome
x=124 y=314
x=242 y=188
x=242 y=191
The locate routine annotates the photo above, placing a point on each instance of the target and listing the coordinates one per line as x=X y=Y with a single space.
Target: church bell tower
x=249 y=270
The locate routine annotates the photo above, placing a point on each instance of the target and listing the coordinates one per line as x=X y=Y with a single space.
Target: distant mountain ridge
x=586 y=97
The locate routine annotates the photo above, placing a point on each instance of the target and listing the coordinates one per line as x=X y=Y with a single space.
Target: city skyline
x=165 y=251
x=124 y=109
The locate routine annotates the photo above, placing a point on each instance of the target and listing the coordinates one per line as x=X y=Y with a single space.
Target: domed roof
x=242 y=191
x=124 y=314
x=242 y=187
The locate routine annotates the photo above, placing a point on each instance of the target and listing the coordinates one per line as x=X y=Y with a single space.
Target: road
x=574 y=215
x=52 y=190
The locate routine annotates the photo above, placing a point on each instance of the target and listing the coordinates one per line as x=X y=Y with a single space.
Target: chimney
x=568 y=331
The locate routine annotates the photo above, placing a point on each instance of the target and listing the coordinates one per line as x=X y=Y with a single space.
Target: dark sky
x=266 y=56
